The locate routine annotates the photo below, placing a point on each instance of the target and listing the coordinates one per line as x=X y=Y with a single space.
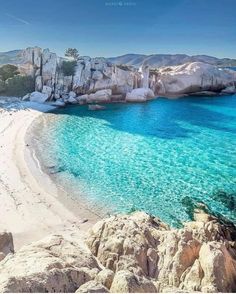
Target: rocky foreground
x=125 y=253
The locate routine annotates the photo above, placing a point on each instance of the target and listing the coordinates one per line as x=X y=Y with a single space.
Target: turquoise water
x=163 y=156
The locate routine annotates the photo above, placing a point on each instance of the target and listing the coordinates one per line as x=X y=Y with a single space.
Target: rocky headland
x=125 y=254
x=98 y=80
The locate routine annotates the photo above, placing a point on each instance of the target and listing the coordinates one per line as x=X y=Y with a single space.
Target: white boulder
x=54 y=264
x=127 y=282
x=92 y=287
x=192 y=77
x=100 y=96
x=38 y=97
x=82 y=97
x=72 y=100
x=140 y=95
x=58 y=102
x=72 y=94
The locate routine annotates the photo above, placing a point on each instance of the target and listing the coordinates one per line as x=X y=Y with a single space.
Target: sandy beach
x=30 y=209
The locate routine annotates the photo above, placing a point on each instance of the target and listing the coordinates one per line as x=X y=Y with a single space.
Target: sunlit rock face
x=134 y=253
x=190 y=78
x=148 y=256
x=41 y=64
x=95 y=74
x=91 y=74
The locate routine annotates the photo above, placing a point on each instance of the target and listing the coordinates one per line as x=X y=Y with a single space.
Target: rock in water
x=38 y=97
x=96 y=107
x=190 y=78
x=140 y=95
x=100 y=96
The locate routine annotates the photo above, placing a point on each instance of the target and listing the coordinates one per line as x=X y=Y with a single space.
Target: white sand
x=27 y=208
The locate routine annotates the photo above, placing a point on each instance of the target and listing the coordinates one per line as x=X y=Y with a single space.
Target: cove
x=163 y=157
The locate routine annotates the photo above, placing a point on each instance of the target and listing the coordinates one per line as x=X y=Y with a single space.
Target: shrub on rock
x=19 y=85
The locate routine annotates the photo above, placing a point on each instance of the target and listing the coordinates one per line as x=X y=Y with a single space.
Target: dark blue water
x=164 y=156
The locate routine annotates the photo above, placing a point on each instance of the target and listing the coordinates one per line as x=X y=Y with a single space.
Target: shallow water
x=163 y=156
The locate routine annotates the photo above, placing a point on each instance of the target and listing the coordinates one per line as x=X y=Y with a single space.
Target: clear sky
x=111 y=28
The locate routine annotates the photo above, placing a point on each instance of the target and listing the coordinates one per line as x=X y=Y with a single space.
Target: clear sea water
x=163 y=156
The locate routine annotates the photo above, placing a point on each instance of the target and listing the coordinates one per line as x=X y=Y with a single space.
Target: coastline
x=31 y=206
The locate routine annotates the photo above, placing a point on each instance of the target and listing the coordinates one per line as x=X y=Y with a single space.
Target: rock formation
x=150 y=255
x=98 y=80
x=128 y=253
x=54 y=264
x=140 y=95
x=192 y=77
x=92 y=76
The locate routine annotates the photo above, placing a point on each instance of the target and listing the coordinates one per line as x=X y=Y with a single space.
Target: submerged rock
x=96 y=107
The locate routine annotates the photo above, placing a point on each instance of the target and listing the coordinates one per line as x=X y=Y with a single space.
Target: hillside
x=158 y=60
x=136 y=60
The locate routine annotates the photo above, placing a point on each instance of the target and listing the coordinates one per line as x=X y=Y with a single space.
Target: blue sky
x=111 y=28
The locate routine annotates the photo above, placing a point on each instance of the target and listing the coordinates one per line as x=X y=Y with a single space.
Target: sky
x=116 y=27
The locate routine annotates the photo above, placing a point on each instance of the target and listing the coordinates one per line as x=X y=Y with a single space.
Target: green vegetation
x=2 y=87
x=17 y=86
x=68 y=67
x=8 y=71
x=124 y=67
x=72 y=52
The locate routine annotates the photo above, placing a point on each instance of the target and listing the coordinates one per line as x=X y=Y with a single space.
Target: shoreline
x=32 y=206
x=41 y=171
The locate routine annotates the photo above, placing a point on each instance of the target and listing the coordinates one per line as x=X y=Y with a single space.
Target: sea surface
x=164 y=156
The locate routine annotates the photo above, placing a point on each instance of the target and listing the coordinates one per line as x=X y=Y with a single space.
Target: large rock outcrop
x=198 y=257
x=190 y=78
x=128 y=253
x=55 y=264
x=99 y=74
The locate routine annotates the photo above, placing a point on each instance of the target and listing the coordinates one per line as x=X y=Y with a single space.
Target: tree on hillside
x=72 y=52
x=68 y=68
x=8 y=71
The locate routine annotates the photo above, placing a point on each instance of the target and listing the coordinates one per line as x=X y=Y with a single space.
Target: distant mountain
x=158 y=60
x=11 y=57
x=136 y=60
